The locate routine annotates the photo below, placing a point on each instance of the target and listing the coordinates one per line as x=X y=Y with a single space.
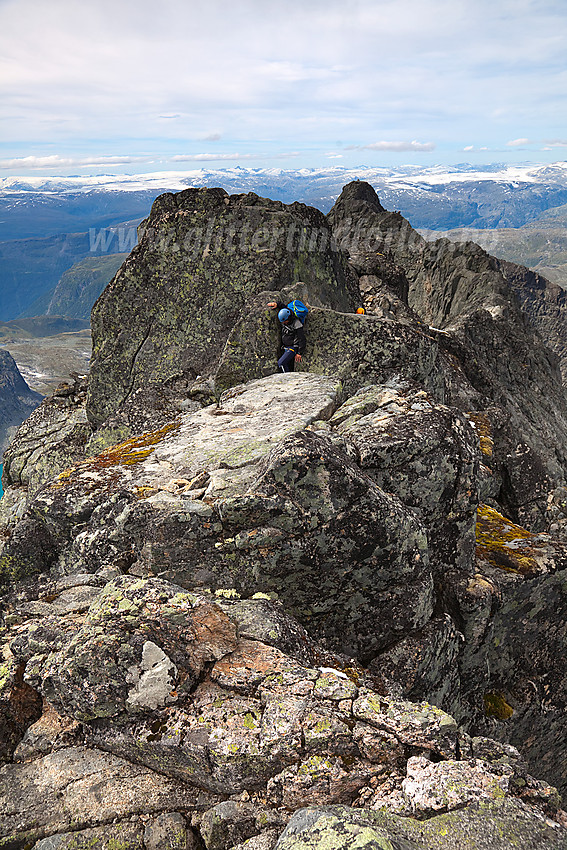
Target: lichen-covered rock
x=524 y=697
x=50 y=440
x=423 y=725
x=61 y=793
x=425 y=665
x=343 y=536
x=505 y=545
x=201 y=254
x=20 y=704
x=431 y=788
x=169 y=831
x=227 y=824
x=260 y=618
x=179 y=711
x=426 y=454
x=125 y=836
x=141 y=646
x=52 y=731
x=280 y=510
x=358 y=349
x=491 y=826
x=222 y=441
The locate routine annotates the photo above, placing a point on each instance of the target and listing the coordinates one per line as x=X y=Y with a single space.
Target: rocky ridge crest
x=230 y=596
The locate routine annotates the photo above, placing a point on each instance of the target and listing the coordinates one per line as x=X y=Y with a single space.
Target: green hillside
x=39 y=327
x=81 y=285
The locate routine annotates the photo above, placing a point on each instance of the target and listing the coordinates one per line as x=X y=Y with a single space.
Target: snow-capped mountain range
x=437 y=197
x=49 y=223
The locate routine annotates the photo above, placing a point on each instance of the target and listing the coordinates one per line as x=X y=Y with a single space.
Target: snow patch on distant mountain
x=404 y=177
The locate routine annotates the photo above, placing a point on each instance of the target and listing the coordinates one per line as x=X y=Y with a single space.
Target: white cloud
x=209 y=157
x=519 y=143
x=221 y=157
x=56 y=161
x=398 y=147
x=297 y=74
x=555 y=143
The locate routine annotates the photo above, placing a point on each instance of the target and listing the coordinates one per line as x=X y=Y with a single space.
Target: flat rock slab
x=219 y=444
x=62 y=791
x=74 y=599
x=243 y=428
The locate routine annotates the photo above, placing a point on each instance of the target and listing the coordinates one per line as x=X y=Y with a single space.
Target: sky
x=116 y=86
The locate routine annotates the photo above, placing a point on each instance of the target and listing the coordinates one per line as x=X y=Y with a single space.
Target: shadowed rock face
x=545 y=303
x=193 y=578
x=16 y=399
x=446 y=279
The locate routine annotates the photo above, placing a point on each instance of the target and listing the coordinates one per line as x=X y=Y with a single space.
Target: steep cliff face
x=251 y=593
x=16 y=399
x=546 y=305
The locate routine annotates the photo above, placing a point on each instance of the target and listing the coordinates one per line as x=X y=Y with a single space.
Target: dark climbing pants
x=286 y=361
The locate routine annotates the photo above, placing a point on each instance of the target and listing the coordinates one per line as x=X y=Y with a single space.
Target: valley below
x=45 y=362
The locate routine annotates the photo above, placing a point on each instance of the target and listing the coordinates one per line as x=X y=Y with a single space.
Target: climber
x=293 y=337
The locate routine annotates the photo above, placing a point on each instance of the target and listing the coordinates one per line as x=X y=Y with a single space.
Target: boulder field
x=243 y=609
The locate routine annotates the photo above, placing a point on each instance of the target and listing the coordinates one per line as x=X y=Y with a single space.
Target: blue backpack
x=298 y=309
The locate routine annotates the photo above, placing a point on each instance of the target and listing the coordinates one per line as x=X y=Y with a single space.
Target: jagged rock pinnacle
x=357 y=194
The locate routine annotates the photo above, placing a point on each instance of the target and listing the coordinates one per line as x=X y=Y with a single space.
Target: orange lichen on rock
x=496 y=706
x=133 y=450
x=508 y=546
x=127 y=453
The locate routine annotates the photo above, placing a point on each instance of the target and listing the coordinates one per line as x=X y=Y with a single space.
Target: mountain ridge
x=291 y=608
x=105 y=208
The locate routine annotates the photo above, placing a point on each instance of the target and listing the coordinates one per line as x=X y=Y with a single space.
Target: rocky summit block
x=471 y=303
x=358 y=349
x=202 y=254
